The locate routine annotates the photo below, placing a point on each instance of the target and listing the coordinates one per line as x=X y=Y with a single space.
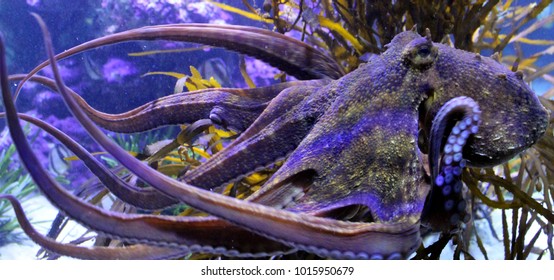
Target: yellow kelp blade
x=529 y=41
x=213 y=83
x=192 y=83
x=247 y=79
x=529 y=62
x=337 y=27
x=225 y=133
x=201 y=152
x=255 y=178
x=243 y=13
x=197 y=79
x=171 y=74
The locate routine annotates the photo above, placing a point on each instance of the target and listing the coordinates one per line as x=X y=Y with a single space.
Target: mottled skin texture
x=353 y=183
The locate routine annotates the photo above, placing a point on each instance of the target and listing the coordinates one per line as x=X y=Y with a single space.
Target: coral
x=33 y=2
x=115 y=70
x=158 y=12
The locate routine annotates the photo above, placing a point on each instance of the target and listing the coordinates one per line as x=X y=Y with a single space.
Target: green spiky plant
x=13 y=180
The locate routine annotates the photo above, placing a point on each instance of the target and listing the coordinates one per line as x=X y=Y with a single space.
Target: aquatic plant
x=13 y=180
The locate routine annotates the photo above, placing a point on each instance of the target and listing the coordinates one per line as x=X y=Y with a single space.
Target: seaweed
x=13 y=180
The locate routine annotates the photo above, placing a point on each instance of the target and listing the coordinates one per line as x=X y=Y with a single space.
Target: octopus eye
x=420 y=53
x=424 y=52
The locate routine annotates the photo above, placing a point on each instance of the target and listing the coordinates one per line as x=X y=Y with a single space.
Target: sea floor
x=41 y=213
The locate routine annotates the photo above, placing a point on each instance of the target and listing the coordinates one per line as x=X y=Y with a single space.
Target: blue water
x=74 y=22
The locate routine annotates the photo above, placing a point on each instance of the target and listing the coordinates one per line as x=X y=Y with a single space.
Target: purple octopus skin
x=352 y=184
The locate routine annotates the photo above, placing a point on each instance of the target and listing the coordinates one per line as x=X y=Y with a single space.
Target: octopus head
x=512 y=117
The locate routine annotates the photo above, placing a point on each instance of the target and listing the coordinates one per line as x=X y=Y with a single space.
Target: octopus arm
x=240 y=108
x=290 y=55
x=277 y=132
x=138 y=251
x=183 y=234
x=455 y=122
x=138 y=197
x=190 y=235
x=325 y=237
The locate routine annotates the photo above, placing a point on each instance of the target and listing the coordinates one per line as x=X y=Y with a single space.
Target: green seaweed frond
x=13 y=180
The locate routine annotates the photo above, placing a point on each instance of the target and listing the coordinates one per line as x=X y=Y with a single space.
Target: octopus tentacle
x=280 y=105
x=174 y=235
x=325 y=237
x=242 y=107
x=138 y=197
x=277 y=132
x=447 y=205
x=187 y=234
x=290 y=55
x=190 y=233
x=138 y=251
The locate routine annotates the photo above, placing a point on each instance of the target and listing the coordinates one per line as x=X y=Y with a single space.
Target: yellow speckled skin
x=364 y=148
x=354 y=141
x=513 y=118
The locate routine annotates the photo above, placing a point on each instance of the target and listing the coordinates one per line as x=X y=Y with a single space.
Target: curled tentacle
x=290 y=55
x=507 y=127
x=138 y=197
x=325 y=237
x=448 y=205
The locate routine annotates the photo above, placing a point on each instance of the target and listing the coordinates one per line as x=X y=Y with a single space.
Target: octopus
x=369 y=157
